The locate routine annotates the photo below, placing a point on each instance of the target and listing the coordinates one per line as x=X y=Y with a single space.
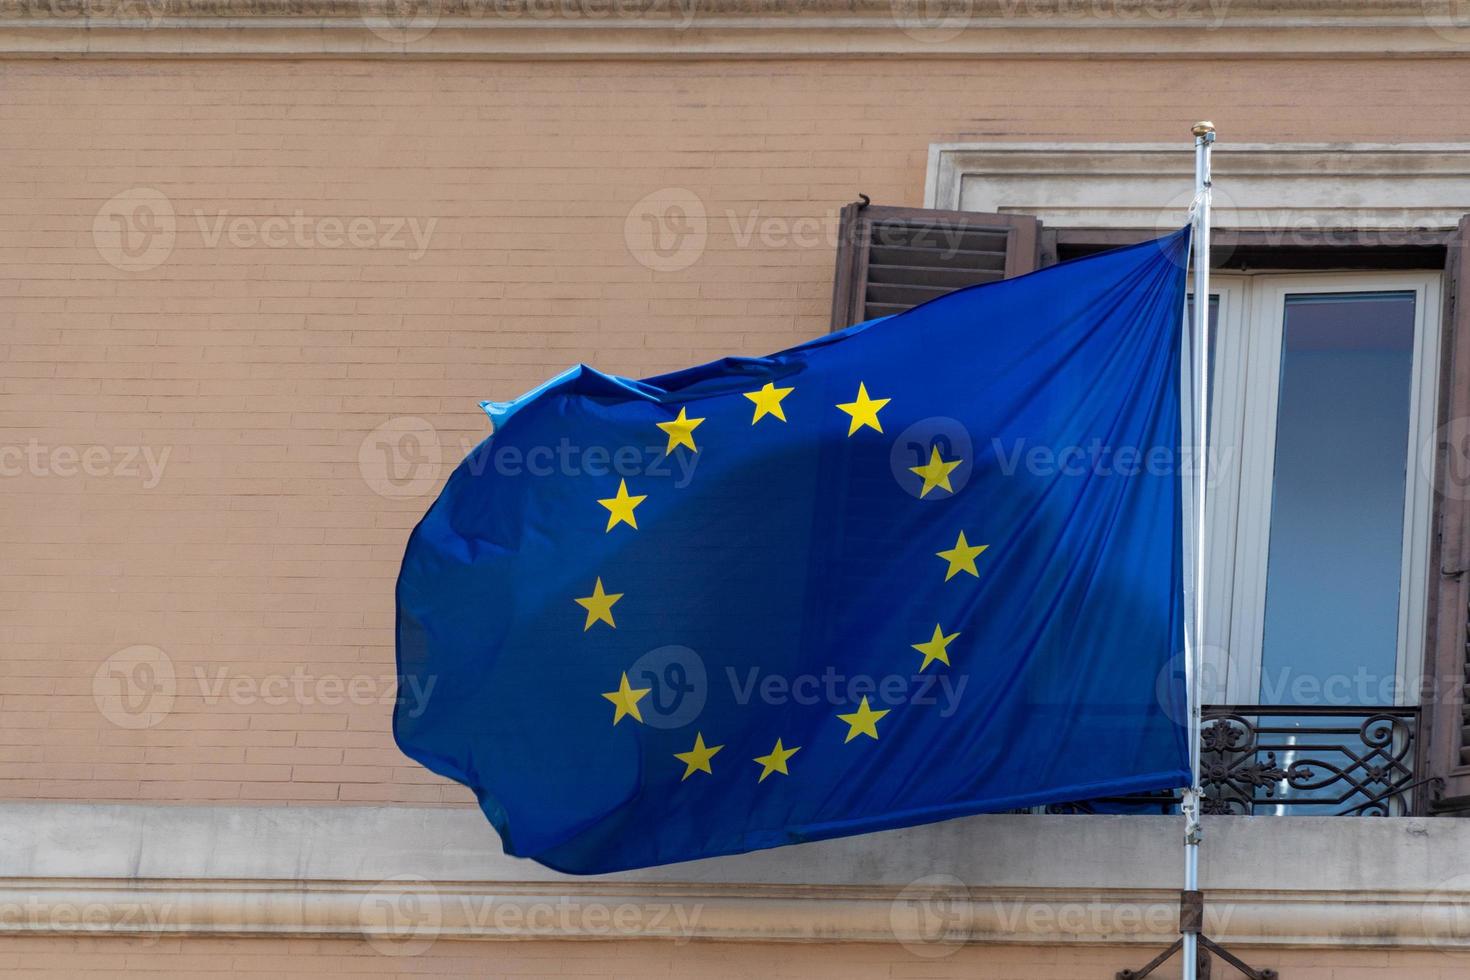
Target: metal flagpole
x=1204 y=141
x=1194 y=946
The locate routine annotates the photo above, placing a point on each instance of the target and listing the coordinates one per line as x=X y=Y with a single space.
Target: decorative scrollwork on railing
x=1358 y=762
x=1292 y=759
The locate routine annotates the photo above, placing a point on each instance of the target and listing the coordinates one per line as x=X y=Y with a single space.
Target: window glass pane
x=1333 y=568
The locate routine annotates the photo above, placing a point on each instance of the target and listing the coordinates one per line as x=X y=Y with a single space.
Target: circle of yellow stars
x=863 y=413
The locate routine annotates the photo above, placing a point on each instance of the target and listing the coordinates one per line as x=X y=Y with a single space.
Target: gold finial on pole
x=1202 y=127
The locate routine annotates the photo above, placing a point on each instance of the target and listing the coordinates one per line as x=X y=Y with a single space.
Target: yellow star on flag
x=697 y=758
x=626 y=699
x=863 y=721
x=680 y=432
x=962 y=557
x=864 y=411
x=775 y=761
x=936 y=648
x=935 y=472
x=620 y=508
x=768 y=402
x=599 y=606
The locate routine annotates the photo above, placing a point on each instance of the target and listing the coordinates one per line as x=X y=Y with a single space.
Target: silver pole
x=1204 y=139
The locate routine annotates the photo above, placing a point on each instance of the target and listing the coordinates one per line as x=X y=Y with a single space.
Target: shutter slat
x=903 y=275
x=875 y=310
x=913 y=256
x=907 y=295
x=938 y=235
x=893 y=259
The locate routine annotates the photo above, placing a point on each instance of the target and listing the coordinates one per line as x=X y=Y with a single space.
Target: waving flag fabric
x=924 y=567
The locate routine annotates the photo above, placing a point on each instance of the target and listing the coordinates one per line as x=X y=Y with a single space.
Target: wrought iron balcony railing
x=1356 y=760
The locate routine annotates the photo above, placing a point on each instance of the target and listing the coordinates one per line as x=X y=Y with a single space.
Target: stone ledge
x=404 y=875
x=1201 y=11
x=932 y=911
x=693 y=29
x=1412 y=190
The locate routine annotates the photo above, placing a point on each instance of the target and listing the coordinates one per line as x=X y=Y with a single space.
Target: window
x=1324 y=388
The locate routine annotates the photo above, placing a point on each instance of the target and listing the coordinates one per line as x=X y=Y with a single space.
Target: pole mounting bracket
x=1192 y=921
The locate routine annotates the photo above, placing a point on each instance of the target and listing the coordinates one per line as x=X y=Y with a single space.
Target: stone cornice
x=978 y=10
x=1406 y=193
x=404 y=877
x=929 y=916
x=600 y=29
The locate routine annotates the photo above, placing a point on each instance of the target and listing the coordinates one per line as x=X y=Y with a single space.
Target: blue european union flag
x=924 y=567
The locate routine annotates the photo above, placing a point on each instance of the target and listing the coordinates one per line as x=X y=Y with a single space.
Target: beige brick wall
x=199 y=540
x=648 y=960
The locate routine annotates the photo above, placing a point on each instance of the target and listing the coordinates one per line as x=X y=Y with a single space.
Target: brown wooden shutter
x=1446 y=707
x=892 y=259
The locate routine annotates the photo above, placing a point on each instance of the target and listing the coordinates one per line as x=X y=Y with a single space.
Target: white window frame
x=1244 y=414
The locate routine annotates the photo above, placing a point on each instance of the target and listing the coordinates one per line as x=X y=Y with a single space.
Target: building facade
x=260 y=261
